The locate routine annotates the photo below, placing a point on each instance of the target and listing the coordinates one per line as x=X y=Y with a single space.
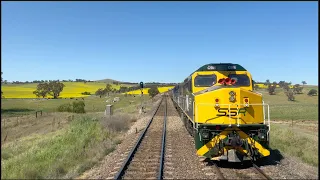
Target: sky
x=157 y=41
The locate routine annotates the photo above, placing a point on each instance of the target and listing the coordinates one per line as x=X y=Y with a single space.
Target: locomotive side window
x=241 y=79
x=205 y=80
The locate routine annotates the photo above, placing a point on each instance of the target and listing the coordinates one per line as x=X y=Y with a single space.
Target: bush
x=75 y=107
x=290 y=95
x=153 y=91
x=65 y=108
x=297 y=89
x=312 y=92
x=272 y=89
x=86 y=93
x=78 y=107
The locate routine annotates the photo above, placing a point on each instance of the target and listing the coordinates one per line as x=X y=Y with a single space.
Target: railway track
x=258 y=171
x=145 y=160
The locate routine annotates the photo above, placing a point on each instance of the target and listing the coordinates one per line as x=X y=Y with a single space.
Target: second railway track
x=145 y=160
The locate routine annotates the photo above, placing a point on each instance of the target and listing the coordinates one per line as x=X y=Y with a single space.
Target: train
x=227 y=119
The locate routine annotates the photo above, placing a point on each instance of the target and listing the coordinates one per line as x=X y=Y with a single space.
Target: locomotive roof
x=221 y=67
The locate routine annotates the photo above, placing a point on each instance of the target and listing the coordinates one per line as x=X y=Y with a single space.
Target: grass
x=64 y=153
x=303 y=108
x=295 y=141
x=72 y=89
x=14 y=107
x=145 y=90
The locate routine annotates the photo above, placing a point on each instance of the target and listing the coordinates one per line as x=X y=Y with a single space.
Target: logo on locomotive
x=232 y=112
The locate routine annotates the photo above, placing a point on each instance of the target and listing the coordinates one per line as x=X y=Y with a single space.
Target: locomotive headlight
x=205 y=134
x=232 y=98
x=232 y=93
x=262 y=134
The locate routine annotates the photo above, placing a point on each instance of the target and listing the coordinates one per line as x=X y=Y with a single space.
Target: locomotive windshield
x=205 y=80
x=241 y=79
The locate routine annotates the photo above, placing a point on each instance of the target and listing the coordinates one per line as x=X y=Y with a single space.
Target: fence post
x=36 y=114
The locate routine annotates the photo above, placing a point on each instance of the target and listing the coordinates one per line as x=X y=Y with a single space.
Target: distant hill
x=108 y=80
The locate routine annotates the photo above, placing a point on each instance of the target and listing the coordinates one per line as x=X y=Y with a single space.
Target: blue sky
x=158 y=41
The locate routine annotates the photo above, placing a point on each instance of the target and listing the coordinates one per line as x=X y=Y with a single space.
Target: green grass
x=13 y=107
x=295 y=142
x=53 y=155
x=303 y=108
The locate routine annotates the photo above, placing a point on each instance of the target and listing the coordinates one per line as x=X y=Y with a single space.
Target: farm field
x=72 y=89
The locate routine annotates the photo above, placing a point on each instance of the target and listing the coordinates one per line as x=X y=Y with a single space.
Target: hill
x=108 y=81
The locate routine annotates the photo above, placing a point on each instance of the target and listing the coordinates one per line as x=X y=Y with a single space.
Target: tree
x=304 y=83
x=99 y=92
x=153 y=91
x=52 y=88
x=290 y=95
x=281 y=83
x=42 y=90
x=272 y=89
x=108 y=88
x=55 y=88
x=267 y=82
x=297 y=89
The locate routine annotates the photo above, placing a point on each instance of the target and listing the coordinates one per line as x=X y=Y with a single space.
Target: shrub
x=65 y=108
x=312 y=92
x=272 y=89
x=297 y=89
x=153 y=91
x=290 y=95
x=86 y=93
x=78 y=107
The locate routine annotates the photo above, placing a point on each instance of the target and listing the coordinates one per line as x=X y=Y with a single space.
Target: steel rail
x=163 y=141
x=126 y=163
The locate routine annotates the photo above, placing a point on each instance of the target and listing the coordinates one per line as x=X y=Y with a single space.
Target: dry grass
x=65 y=152
x=297 y=140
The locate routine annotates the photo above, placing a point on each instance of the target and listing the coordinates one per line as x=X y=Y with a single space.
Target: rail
x=133 y=151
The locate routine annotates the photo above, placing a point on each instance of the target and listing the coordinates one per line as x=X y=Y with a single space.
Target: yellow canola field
x=71 y=89
x=145 y=90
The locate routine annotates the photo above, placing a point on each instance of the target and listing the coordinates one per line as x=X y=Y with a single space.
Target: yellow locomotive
x=219 y=108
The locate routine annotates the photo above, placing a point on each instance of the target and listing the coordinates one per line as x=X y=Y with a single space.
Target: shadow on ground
x=274 y=159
